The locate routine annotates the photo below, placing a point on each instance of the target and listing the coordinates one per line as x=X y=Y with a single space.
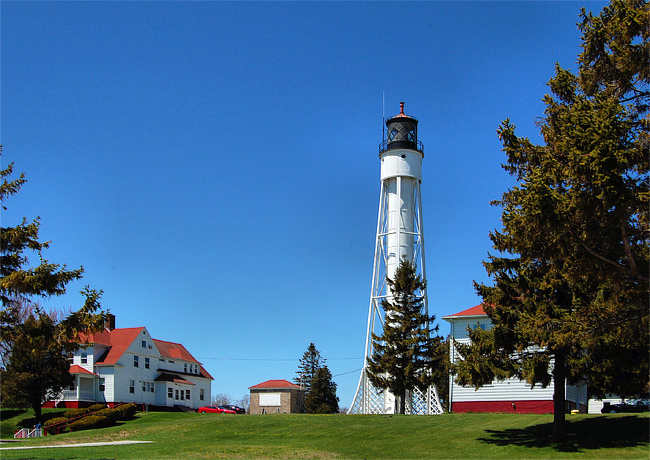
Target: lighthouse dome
x=402 y=133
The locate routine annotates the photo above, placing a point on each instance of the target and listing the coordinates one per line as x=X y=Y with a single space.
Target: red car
x=215 y=410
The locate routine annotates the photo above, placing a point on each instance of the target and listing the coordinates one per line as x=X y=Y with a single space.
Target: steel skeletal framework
x=399 y=235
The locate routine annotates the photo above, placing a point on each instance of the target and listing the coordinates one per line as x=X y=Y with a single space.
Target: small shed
x=510 y=395
x=277 y=397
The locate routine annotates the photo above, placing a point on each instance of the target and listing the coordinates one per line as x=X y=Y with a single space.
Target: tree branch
x=611 y=262
x=626 y=247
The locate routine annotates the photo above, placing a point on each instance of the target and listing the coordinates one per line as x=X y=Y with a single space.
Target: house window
x=131 y=386
x=147 y=387
x=201 y=394
x=146 y=363
x=102 y=384
x=185 y=368
x=170 y=361
x=84 y=357
x=176 y=395
x=161 y=360
x=170 y=393
x=187 y=394
x=136 y=361
x=144 y=344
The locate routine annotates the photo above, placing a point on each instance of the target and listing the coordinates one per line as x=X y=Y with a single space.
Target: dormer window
x=84 y=357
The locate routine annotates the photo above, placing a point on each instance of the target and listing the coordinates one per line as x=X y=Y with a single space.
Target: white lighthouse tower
x=399 y=235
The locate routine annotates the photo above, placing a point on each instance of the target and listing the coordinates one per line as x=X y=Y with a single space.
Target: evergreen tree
x=407 y=355
x=34 y=344
x=310 y=362
x=570 y=296
x=322 y=398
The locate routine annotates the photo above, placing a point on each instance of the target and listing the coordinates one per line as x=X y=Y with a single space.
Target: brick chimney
x=110 y=322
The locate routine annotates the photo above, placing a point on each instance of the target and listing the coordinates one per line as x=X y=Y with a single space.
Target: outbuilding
x=510 y=395
x=277 y=397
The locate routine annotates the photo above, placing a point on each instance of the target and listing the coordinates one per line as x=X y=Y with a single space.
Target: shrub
x=90 y=423
x=111 y=414
x=53 y=421
x=74 y=413
x=96 y=407
x=126 y=411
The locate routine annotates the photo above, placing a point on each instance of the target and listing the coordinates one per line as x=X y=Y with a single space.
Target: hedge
x=91 y=422
x=111 y=414
x=126 y=411
x=96 y=407
x=53 y=421
x=74 y=413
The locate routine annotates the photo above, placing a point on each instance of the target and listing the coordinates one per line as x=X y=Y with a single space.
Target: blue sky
x=213 y=165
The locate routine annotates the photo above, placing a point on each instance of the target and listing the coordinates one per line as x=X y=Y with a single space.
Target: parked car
x=631 y=405
x=215 y=410
x=239 y=410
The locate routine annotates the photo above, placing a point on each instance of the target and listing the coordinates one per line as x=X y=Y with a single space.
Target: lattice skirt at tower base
x=371 y=400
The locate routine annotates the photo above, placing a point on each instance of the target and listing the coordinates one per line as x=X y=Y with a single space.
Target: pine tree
x=322 y=398
x=570 y=296
x=310 y=362
x=407 y=355
x=34 y=344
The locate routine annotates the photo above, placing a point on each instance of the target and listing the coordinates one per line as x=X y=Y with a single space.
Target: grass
x=489 y=436
x=12 y=420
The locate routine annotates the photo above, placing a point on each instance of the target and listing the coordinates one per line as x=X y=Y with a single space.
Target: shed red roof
x=275 y=384
x=474 y=311
x=77 y=369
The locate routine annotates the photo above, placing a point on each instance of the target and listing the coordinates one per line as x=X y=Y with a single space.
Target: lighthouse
x=399 y=236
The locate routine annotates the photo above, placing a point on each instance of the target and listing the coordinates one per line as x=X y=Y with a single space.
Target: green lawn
x=500 y=436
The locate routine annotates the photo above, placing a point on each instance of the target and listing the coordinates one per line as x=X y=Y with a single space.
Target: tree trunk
x=402 y=403
x=38 y=413
x=559 y=398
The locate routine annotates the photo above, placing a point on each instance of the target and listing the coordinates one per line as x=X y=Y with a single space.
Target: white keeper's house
x=129 y=366
x=511 y=395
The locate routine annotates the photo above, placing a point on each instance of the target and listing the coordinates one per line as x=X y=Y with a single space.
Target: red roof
x=118 y=339
x=474 y=311
x=275 y=384
x=205 y=373
x=164 y=377
x=173 y=350
x=77 y=369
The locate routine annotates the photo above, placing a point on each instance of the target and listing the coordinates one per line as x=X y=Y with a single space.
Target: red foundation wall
x=513 y=407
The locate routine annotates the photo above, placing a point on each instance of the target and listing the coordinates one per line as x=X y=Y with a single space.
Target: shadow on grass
x=587 y=434
x=10 y=413
x=27 y=422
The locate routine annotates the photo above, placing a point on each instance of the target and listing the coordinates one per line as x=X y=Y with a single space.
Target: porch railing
x=82 y=395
